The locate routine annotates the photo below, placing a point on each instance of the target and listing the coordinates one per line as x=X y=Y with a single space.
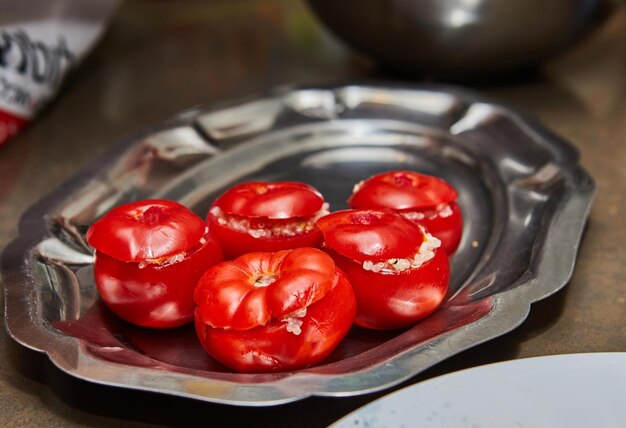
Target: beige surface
x=161 y=57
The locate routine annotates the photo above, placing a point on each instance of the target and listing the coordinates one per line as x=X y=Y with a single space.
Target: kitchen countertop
x=161 y=57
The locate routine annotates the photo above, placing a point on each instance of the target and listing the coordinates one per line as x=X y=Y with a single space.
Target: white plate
x=575 y=390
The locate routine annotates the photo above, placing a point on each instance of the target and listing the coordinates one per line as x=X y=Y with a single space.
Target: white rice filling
x=294 y=321
x=244 y=225
x=425 y=253
x=441 y=210
x=358 y=186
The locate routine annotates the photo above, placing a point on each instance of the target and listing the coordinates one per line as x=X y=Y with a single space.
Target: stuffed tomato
x=267 y=312
x=149 y=257
x=398 y=271
x=423 y=199
x=261 y=216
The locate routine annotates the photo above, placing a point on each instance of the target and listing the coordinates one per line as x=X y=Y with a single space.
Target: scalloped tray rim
x=508 y=313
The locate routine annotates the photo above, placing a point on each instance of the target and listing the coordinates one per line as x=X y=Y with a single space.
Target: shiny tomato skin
x=387 y=301
x=410 y=192
x=155 y=296
x=256 y=287
x=402 y=190
x=370 y=234
x=146 y=230
x=271 y=348
x=277 y=200
x=247 y=310
x=235 y=243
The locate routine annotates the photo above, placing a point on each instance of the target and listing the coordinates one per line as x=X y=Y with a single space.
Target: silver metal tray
x=524 y=197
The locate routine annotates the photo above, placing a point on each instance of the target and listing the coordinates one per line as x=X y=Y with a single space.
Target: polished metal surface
x=461 y=39
x=524 y=197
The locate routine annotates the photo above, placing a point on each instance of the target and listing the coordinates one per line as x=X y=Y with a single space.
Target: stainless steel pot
x=461 y=39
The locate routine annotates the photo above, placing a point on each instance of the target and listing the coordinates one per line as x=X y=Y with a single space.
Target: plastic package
x=40 y=42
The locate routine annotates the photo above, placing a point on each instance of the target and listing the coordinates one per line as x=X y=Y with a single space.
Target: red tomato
x=424 y=199
x=149 y=257
x=258 y=216
x=266 y=312
x=398 y=272
x=146 y=230
x=370 y=234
